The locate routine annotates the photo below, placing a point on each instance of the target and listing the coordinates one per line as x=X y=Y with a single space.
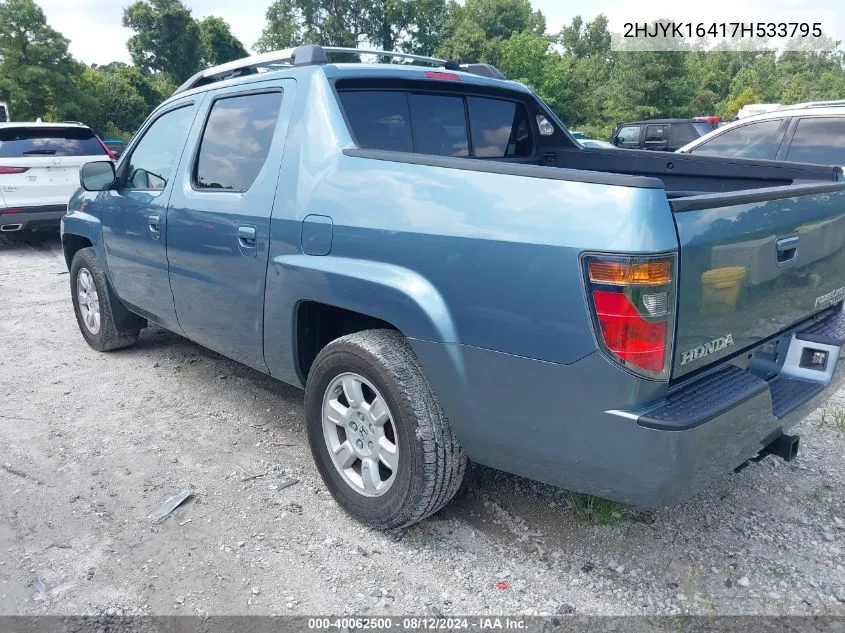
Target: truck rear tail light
x=13 y=170
x=632 y=304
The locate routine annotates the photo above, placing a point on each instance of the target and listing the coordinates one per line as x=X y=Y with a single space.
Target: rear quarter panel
x=492 y=260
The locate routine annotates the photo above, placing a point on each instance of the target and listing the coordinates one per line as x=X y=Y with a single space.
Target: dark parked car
x=665 y=135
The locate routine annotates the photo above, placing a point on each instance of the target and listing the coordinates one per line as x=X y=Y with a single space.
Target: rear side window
x=702 y=128
x=437 y=124
x=820 y=141
x=16 y=142
x=236 y=141
x=682 y=133
x=657 y=134
x=754 y=140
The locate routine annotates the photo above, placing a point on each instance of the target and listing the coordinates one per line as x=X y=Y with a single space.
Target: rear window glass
x=499 y=128
x=379 y=119
x=46 y=141
x=437 y=124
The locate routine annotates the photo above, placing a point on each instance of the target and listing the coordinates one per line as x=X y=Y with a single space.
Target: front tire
x=379 y=437
x=92 y=303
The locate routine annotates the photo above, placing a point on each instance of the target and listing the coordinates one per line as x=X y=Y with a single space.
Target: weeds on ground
x=834 y=416
x=596 y=510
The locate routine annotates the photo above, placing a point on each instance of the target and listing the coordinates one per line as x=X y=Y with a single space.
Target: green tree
x=408 y=25
x=476 y=30
x=36 y=71
x=650 y=84
x=114 y=104
x=326 y=22
x=745 y=97
x=167 y=39
x=219 y=45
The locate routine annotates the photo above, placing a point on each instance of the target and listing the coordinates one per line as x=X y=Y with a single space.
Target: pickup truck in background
x=449 y=275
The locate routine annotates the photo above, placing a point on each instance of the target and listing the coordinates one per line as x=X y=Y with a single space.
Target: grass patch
x=596 y=510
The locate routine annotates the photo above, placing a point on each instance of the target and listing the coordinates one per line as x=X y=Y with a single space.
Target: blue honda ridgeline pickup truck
x=427 y=251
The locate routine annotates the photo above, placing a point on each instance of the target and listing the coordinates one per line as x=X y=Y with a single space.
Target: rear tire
x=92 y=303
x=417 y=460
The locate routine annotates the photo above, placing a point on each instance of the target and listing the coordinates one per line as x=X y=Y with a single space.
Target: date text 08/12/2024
x=417 y=623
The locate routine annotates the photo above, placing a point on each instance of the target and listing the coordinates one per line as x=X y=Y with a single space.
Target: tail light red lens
x=626 y=334
x=632 y=300
x=13 y=170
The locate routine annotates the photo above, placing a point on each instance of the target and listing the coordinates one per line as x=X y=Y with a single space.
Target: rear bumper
x=552 y=422
x=36 y=218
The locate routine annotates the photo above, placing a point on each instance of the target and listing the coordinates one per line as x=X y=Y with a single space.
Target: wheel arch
x=363 y=294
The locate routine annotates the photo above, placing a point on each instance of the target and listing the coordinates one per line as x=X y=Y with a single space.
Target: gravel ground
x=90 y=443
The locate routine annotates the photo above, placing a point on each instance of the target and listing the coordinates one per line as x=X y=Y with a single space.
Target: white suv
x=39 y=171
x=803 y=133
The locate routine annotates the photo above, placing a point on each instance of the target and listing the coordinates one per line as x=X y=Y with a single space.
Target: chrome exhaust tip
x=8 y=228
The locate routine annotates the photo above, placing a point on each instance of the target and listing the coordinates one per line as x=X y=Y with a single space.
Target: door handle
x=246 y=236
x=154 y=222
x=787 y=249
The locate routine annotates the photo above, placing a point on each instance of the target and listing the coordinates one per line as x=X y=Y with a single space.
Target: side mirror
x=97 y=176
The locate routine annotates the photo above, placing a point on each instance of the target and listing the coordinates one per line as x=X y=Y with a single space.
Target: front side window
x=153 y=160
x=819 y=140
x=236 y=141
x=628 y=136
x=753 y=140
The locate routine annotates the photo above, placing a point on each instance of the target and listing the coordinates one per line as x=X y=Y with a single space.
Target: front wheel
x=380 y=439
x=93 y=306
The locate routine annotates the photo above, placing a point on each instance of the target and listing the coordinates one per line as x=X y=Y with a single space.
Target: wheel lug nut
x=359 y=444
x=370 y=445
x=353 y=426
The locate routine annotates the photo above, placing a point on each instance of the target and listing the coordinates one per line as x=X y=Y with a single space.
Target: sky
x=96 y=35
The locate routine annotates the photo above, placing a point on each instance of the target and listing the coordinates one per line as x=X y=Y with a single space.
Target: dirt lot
x=90 y=443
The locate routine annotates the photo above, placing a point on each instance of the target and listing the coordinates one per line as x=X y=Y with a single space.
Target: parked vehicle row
x=450 y=275
x=813 y=133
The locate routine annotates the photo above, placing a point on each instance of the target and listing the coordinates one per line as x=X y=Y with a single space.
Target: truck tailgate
x=752 y=264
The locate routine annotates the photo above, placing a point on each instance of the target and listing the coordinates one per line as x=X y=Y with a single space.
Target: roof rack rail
x=314 y=54
x=816 y=104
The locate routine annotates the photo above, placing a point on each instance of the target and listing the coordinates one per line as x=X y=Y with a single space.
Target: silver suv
x=811 y=132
